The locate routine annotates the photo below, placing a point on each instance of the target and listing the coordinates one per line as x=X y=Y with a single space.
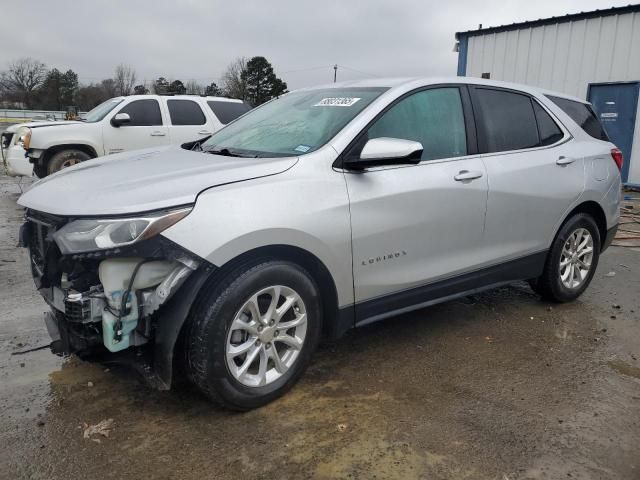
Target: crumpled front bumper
x=17 y=162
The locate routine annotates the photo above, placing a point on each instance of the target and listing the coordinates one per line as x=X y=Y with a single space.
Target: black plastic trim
x=172 y=317
x=524 y=268
x=344 y=322
x=608 y=238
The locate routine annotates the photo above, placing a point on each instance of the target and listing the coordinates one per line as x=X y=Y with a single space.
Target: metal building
x=591 y=55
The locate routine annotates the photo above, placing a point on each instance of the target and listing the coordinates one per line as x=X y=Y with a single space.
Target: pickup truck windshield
x=293 y=124
x=99 y=112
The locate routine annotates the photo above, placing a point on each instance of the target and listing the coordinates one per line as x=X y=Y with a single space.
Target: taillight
x=616 y=154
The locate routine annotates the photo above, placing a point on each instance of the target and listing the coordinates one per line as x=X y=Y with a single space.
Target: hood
x=54 y=123
x=143 y=180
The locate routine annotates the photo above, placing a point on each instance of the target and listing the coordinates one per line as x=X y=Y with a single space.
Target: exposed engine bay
x=107 y=299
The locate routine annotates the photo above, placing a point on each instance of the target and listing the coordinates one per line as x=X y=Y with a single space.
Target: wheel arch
x=305 y=259
x=51 y=151
x=594 y=210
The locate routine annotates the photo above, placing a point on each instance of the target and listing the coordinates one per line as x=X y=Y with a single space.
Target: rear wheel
x=64 y=159
x=572 y=260
x=253 y=337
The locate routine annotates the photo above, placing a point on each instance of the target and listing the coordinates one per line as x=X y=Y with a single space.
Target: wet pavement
x=494 y=386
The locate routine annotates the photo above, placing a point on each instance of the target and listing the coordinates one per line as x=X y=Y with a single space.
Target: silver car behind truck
x=322 y=210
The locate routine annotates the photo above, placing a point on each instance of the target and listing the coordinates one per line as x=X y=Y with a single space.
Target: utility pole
x=335 y=72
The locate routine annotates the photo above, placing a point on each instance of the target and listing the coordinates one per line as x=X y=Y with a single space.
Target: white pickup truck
x=117 y=125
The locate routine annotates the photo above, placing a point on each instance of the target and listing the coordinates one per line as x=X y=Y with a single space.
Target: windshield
x=99 y=112
x=294 y=124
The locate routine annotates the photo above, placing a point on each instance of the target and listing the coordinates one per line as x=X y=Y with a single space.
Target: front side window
x=185 y=112
x=433 y=117
x=143 y=113
x=506 y=121
x=101 y=111
x=228 y=111
x=293 y=124
x=583 y=115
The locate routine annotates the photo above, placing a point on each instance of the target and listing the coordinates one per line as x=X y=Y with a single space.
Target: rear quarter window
x=549 y=131
x=583 y=115
x=228 y=111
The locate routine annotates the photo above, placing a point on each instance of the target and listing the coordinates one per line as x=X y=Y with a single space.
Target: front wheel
x=572 y=260
x=64 y=159
x=253 y=336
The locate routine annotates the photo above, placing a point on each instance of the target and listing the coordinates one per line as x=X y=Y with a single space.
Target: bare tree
x=233 y=83
x=109 y=87
x=24 y=76
x=194 y=88
x=125 y=79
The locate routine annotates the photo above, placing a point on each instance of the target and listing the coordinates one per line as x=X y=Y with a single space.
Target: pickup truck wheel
x=40 y=170
x=571 y=261
x=252 y=337
x=64 y=159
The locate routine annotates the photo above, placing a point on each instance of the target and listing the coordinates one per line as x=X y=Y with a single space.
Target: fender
x=74 y=133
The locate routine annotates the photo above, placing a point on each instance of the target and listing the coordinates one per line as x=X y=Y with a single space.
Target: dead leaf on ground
x=101 y=428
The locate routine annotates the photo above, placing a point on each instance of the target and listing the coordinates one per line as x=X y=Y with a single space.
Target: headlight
x=99 y=234
x=23 y=137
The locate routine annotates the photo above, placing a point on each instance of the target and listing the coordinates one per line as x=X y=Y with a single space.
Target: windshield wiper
x=225 y=152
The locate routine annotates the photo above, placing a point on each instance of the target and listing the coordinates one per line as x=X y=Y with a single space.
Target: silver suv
x=323 y=210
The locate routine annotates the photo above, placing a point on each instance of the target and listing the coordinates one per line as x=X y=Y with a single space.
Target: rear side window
x=549 y=131
x=506 y=121
x=143 y=113
x=185 y=112
x=583 y=115
x=228 y=111
x=433 y=117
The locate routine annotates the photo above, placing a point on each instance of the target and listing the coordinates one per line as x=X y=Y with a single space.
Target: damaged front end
x=111 y=284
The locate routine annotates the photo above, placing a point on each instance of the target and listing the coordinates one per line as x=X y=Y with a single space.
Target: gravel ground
x=494 y=386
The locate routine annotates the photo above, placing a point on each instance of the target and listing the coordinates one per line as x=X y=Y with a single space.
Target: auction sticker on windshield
x=337 y=102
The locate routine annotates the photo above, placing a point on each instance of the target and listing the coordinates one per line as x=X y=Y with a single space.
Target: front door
x=413 y=225
x=146 y=128
x=616 y=105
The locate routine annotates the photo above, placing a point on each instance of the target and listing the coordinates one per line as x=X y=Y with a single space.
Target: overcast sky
x=196 y=39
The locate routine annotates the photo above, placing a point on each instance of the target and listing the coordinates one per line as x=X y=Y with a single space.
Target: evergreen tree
x=262 y=84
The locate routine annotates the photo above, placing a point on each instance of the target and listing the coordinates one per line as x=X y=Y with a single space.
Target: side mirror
x=386 y=151
x=120 y=119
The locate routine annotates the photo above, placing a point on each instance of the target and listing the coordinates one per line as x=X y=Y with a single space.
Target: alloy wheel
x=576 y=258
x=266 y=336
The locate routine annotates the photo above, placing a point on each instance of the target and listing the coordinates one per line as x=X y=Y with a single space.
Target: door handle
x=158 y=134
x=562 y=160
x=467 y=175
x=204 y=132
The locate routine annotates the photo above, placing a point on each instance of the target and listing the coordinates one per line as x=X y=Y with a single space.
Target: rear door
x=534 y=176
x=187 y=120
x=412 y=225
x=146 y=128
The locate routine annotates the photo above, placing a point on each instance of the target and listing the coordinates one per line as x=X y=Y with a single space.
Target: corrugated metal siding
x=564 y=56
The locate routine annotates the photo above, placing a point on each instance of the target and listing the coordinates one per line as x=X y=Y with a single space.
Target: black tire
x=549 y=285
x=213 y=315
x=40 y=170
x=65 y=158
